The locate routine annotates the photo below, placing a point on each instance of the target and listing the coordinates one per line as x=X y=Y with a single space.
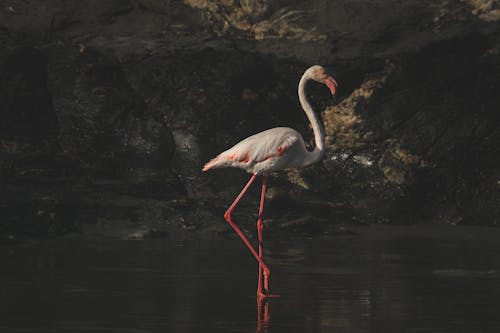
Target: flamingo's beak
x=331 y=84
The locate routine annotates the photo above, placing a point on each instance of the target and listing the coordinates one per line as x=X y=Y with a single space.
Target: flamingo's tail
x=213 y=162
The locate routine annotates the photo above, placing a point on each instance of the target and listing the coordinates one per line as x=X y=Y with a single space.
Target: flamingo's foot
x=262 y=295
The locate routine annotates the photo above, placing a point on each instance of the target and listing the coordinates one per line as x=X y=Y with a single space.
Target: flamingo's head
x=318 y=74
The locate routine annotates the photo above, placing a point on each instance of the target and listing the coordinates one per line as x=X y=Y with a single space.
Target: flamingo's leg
x=227 y=216
x=263 y=283
x=260 y=226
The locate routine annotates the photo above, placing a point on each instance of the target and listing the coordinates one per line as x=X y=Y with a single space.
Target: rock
x=29 y=122
x=112 y=107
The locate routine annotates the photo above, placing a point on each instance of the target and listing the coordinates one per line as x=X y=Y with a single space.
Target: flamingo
x=274 y=149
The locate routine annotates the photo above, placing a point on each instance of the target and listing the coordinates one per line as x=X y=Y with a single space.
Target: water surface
x=384 y=279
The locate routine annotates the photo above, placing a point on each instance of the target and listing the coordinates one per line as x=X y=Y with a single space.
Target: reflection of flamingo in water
x=271 y=150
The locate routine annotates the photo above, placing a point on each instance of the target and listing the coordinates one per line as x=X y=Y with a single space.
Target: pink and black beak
x=331 y=84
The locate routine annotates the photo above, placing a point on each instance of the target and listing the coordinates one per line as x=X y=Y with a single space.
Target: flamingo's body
x=272 y=150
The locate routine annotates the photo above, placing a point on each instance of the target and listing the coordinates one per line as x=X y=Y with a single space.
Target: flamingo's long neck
x=319 y=132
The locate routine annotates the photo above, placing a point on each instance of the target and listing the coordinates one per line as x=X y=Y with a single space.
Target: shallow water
x=384 y=279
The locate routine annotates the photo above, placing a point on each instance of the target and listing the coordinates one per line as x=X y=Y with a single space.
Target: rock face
x=28 y=119
x=110 y=108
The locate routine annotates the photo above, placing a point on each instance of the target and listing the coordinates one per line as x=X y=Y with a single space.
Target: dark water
x=385 y=279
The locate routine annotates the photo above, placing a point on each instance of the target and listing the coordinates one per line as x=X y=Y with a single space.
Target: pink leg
x=263 y=284
x=260 y=226
x=227 y=216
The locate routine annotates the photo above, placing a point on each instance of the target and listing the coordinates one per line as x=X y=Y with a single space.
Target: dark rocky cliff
x=109 y=109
